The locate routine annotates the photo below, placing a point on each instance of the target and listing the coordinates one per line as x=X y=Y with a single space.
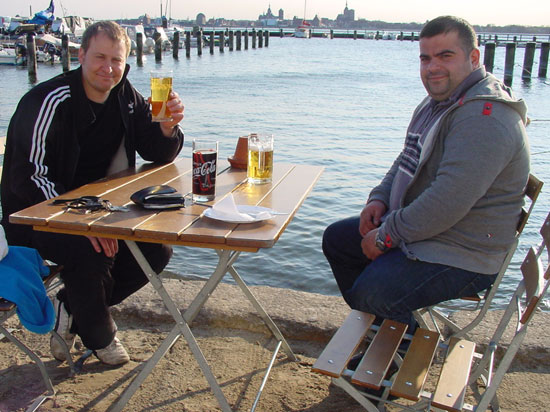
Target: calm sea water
x=341 y=104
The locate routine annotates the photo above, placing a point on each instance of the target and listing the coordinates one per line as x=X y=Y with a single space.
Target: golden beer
x=260 y=159
x=260 y=166
x=161 y=86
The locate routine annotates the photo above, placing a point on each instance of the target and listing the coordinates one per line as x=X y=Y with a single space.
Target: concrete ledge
x=300 y=315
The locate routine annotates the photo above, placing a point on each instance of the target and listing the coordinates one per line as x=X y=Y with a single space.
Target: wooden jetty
x=258 y=38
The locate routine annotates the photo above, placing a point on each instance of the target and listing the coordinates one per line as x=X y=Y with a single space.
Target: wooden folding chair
x=481 y=304
x=8 y=309
x=463 y=367
x=526 y=299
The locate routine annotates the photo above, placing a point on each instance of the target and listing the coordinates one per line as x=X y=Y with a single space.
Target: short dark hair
x=111 y=29
x=446 y=24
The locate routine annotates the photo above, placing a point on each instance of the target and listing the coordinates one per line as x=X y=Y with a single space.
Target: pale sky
x=503 y=12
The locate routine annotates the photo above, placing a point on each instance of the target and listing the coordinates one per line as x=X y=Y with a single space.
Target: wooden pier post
x=260 y=39
x=246 y=39
x=199 y=42
x=266 y=38
x=412 y=36
x=188 y=44
x=231 y=40
x=222 y=41
x=31 y=57
x=139 y=49
x=543 y=64
x=176 y=45
x=281 y=34
x=253 y=38
x=239 y=35
x=212 y=34
x=65 y=56
x=158 y=46
x=331 y=34
x=509 y=63
x=528 y=60
x=489 y=57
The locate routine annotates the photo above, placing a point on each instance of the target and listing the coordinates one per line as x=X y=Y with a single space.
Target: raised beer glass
x=260 y=158
x=205 y=160
x=161 y=86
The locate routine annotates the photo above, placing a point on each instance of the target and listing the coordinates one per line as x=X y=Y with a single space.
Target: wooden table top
x=186 y=226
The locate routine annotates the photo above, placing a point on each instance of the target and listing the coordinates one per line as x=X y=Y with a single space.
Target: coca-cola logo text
x=205 y=168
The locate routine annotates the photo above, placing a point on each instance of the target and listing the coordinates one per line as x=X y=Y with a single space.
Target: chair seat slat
x=411 y=377
x=343 y=344
x=373 y=367
x=453 y=380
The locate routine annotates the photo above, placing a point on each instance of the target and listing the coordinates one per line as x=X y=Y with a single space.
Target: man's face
x=102 y=66
x=444 y=64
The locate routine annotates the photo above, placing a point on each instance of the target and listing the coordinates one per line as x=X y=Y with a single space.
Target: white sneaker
x=63 y=324
x=114 y=354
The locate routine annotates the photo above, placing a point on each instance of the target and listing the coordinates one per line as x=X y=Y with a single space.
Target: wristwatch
x=383 y=244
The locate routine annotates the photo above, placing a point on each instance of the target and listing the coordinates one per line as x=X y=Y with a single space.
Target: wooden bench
x=463 y=368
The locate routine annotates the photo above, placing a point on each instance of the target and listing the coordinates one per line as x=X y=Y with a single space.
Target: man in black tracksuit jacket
x=69 y=131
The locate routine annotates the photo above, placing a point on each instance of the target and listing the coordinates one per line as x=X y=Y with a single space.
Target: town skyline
x=477 y=13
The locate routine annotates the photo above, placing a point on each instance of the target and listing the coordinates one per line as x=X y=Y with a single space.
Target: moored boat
x=47 y=41
x=303 y=31
x=11 y=56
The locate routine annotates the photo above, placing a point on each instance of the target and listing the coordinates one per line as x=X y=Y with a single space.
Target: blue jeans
x=392 y=286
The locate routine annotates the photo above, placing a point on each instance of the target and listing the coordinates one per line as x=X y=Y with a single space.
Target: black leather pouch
x=158 y=197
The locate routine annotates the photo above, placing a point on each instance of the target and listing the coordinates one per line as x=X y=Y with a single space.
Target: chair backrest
x=535 y=277
x=527 y=297
x=532 y=191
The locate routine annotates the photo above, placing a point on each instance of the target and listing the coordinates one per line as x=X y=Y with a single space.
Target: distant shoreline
x=355 y=25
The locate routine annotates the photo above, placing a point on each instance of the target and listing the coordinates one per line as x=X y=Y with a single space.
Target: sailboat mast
x=305 y=3
x=62 y=8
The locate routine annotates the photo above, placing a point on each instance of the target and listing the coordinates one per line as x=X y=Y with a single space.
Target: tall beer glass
x=260 y=158
x=161 y=86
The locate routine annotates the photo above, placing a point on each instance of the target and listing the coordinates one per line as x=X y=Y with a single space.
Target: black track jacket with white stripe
x=42 y=148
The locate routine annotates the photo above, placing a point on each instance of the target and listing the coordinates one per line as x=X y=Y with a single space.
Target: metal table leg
x=226 y=258
x=265 y=317
x=181 y=328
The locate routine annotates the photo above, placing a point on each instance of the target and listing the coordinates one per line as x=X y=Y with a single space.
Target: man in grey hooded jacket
x=441 y=221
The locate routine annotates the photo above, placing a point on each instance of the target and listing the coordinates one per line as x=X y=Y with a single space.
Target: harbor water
x=341 y=104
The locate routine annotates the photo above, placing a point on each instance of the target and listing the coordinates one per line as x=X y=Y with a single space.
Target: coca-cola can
x=205 y=161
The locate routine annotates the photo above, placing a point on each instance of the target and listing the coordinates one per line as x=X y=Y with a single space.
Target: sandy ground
x=238 y=357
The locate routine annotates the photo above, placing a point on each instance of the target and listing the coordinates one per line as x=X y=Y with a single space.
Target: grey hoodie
x=463 y=203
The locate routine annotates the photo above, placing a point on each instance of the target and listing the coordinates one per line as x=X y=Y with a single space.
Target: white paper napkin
x=226 y=209
x=3 y=244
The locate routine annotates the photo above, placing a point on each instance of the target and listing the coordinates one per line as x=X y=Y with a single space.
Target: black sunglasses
x=89 y=204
